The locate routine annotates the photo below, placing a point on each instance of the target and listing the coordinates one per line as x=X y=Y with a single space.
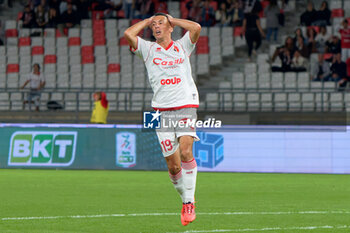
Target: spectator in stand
x=321 y=70
x=323 y=16
x=194 y=10
x=69 y=18
x=333 y=46
x=36 y=81
x=271 y=13
x=100 y=111
x=41 y=16
x=28 y=18
x=321 y=39
x=56 y=5
x=129 y=6
x=310 y=39
x=250 y=6
x=253 y=32
x=285 y=53
x=108 y=6
x=208 y=15
x=303 y=48
x=83 y=6
x=147 y=9
x=161 y=6
x=223 y=18
x=345 y=40
x=299 y=63
x=237 y=14
x=298 y=33
x=338 y=70
x=309 y=16
x=53 y=20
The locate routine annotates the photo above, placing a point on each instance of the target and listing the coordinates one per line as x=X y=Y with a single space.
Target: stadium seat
x=12 y=68
x=113 y=68
x=337 y=13
x=50 y=59
x=25 y=51
x=37 y=41
x=74 y=41
x=11 y=33
x=24 y=41
x=86 y=59
x=37 y=50
x=87 y=50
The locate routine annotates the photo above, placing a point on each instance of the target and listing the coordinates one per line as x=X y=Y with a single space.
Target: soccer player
x=175 y=95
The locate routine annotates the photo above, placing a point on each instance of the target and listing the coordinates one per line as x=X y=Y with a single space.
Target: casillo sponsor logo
x=42 y=148
x=159 y=61
x=170 y=81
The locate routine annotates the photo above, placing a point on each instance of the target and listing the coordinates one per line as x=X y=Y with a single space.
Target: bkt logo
x=40 y=148
x=151 y=120
x=169 y=81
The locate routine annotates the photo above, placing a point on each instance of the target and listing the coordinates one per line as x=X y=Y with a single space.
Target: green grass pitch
x=145 y=201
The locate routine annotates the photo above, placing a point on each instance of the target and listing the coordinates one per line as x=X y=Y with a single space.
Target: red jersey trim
x=171 y=43
x=177 y=108
x=137 y=44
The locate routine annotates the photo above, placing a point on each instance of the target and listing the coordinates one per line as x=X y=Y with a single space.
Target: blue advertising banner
x=236 y=149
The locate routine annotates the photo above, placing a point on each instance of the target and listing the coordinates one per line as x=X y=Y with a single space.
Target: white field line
x=266 y=229
x=170 y=214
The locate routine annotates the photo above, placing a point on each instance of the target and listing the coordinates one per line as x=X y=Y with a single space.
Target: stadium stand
x=95 y=56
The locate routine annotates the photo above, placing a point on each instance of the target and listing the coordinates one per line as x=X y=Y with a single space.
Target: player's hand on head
x=149 y=20
x=170 y=19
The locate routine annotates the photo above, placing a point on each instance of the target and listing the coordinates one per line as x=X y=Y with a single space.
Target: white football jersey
x=169 y=73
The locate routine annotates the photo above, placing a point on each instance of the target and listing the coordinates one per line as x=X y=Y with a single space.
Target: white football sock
x=177 y=181
x=189 y=176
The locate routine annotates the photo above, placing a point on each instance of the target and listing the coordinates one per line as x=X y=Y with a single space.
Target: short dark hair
x=163 y=14
x=36 y=64
x=160 y=13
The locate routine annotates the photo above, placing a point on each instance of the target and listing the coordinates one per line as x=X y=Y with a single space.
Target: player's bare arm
x=131 y=33
x=193 y=27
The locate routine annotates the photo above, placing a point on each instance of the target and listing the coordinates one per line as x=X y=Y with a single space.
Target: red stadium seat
x=316 y=28
x=37 y=50
x=99 y=41
x=11 y=33
x=202 y=45
x=121 y=14
x=337 y=13
x=134 y=21
x=113 y=68
x=74 y=41
x=97 y=15
x=237 y=31
x=327 y=56
x=19 y=15
x=264 y=4
x=87 y=59
x=12 y=68
x=183 y=9
x=50 y=59
x=348 y=66
x=98 y=24
x=123 y=42
x=214 y=5
x=24 y=41
x=87 y=50
x=92 y=6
